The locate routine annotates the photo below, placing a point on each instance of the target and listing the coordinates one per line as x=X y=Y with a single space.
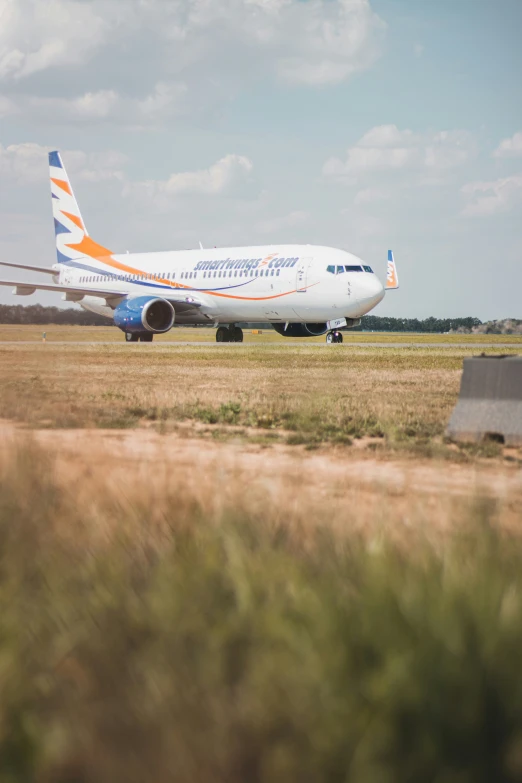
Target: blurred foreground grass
x=150 y=638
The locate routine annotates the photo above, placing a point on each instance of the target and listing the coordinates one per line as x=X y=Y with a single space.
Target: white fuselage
x=276 y=283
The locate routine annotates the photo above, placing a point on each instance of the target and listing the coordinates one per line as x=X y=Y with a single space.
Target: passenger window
x=278 y=271
x=331 y=269
x=340 y=269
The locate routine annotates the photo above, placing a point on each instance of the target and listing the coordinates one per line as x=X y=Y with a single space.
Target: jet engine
x=310 y=330
x=144 y=314
x=300 y=330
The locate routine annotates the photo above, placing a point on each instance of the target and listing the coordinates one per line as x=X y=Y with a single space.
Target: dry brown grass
x=305 y=394
x=136 y=475
x=236 y=608
x=171 y=612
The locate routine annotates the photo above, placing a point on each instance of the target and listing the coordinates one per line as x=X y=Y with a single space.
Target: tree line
x=376 y=323
x=40 y=315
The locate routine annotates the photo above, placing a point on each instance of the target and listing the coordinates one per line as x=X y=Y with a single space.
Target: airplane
x=301 y=290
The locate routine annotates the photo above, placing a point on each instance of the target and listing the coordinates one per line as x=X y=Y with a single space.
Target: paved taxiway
x=347 y=344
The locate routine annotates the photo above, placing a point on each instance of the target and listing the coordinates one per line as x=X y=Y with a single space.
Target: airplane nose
x=371 y=291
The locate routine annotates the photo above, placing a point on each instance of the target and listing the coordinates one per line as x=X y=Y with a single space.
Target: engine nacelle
x=310 y=330
x=144 y=314
x=300 y=330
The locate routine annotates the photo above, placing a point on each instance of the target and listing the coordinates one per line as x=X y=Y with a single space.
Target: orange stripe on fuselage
x=90 y=248
x=63 y=185
x=255 y=298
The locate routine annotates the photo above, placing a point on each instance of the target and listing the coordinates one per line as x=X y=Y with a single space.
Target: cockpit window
x=340 y=269
x=353 y=268
x=331 y=269
x=368 y=269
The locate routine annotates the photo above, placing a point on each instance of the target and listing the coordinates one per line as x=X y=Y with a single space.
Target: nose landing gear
x=334 y=337
x=231 y=334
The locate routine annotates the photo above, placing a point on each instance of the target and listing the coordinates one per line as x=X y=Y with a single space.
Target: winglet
x=392 y=278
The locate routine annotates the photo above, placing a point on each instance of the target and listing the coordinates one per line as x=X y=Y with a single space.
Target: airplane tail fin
x=69 y=227
x=392 y=278
x=72 y=237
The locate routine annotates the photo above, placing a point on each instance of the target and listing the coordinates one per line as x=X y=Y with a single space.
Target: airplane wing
x=179 y=299
x=25 y=289
x=45 y=269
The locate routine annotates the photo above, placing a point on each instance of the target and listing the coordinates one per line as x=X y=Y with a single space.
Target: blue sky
x=363 y=125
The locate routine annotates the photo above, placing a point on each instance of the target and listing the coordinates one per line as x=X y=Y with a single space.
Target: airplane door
x=301 y=274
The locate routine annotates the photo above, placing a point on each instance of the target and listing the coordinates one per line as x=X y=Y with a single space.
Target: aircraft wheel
x=334 y=337
x=237 y=335
x=222 y=335
x=131 y=338
x=146 y=338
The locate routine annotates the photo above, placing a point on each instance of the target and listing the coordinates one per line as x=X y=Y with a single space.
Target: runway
x=163 y=343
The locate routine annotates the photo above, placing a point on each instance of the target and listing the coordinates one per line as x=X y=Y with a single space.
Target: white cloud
x=510 y=148
x=198 y=53
x=36 y=35
x=372 y=195
x=448 y=149
x=224 y=177
x=23 y=162
x=95 y=166
x=218 y=178
x=164 y=100
x=273 y=225
x=95 y=104
x=331 y=41
x=386 y=148
x=7 y=107
x=490 y=198
x=28 y=163
x=108 y=106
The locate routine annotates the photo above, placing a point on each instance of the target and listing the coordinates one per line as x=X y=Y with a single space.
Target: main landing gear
x=133 y=337
x=231 y=334
x=334 y=337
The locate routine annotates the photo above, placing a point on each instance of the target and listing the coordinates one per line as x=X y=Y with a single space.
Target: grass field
x=188 y=334
x=399 y=397
x=260 y=563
